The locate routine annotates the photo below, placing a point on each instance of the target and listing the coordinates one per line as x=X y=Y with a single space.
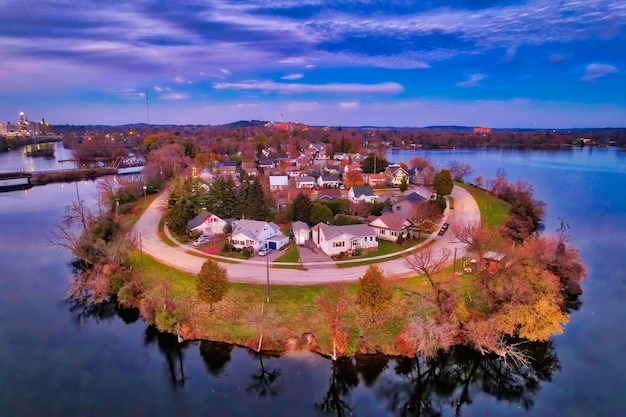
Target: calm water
x=57 y=361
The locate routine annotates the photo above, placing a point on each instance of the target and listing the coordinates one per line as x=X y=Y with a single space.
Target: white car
x=201 y=240
x=264 y=251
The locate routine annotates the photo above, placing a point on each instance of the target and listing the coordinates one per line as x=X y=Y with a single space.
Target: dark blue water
x=59 y=361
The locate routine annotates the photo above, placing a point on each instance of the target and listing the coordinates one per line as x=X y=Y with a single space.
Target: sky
x=497 y=63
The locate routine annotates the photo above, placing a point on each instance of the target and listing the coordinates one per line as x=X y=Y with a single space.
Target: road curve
x=146 y=234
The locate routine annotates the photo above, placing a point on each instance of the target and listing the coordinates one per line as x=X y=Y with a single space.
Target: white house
x=336 y=239
x=257 y=234
x=305 y=181
x=328 y=181
x=206 y=223
x=301 y=232
x=361 y=193
x=278 y=182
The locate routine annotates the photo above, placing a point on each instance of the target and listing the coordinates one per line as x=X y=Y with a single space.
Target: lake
x=61 y=360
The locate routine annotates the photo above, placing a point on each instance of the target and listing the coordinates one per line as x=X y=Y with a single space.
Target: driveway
x=315 y=272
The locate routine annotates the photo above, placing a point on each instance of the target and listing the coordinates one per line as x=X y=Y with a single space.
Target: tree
x=334 y=302
x=426 y=214
x=320 y=214
x=427 y=263
x=460 y=170
x=442 y=182
x=404 y=184
x=353 y=178
x=300 y=208
x=372 y=292
x=374 y=164
x=212 y=284
x=360 y=209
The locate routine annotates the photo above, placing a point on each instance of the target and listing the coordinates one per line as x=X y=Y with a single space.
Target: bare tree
x=477 y=238
x=426 y=214
x=460 y=170
x=429 y=264
x=334 y=302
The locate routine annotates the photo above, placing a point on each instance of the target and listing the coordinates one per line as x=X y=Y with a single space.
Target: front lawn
x=290 y=255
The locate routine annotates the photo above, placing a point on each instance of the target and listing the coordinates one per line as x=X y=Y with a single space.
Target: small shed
x=492 y=261
x=301 y=232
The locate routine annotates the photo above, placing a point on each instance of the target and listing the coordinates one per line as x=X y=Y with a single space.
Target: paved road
x=254 y=271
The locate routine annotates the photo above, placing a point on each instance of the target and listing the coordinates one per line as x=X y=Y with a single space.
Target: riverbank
x=43 y=178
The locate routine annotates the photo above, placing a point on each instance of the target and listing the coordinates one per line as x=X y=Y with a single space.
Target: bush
x=227 y=248
x=400 y=240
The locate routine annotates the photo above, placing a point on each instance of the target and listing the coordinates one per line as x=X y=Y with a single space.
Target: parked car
x=264 y=251
x=201 y=240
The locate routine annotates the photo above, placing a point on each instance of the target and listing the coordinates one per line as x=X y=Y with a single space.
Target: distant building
x=482 y=130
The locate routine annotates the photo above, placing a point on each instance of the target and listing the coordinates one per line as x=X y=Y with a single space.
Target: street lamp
x=117 y=206
x=145 y=188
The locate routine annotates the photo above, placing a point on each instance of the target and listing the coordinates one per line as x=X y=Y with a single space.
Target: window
x=395 y=234
x=398 y=208
x=382 y=231
x=339 y=244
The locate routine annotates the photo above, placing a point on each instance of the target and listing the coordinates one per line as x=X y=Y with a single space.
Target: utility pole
x=267 y=268
x=140 y=252
x=147 y=108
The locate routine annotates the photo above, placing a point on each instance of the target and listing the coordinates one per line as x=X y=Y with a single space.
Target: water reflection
x=404 y=386
x=265 y=381
x=172 y=351
x=453 y=380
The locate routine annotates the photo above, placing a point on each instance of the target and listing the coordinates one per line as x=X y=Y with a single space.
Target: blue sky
x=506 y=63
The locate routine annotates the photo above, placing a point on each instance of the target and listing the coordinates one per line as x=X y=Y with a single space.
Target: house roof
x=412 y=198
x=395 y=168
x=392 y=221
x=253 y=228
x=362 y=190
x=305 y=178
x=198 y=220
x=296 y=226
x=266 y=162
x=328 y=194
x=377 y=177
x=354 y=230
x=329 y=178
x=332 y=167
x=228 y=164
x=279 y=180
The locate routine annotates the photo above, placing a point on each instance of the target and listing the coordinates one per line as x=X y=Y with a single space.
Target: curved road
x=146 y=231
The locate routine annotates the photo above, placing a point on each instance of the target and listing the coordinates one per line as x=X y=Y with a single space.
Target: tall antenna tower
x=147 y=107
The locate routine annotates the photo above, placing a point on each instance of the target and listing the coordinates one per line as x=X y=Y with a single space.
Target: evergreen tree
x=229 y=207
x=300 y=209
x=256 y=205
x=374 y=164
x=442 y=182
x=404 y=185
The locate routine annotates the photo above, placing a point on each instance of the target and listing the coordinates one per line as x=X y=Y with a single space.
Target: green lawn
x=493 y=211
x=290 y=255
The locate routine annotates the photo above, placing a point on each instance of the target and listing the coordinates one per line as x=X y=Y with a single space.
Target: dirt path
x=254 y=271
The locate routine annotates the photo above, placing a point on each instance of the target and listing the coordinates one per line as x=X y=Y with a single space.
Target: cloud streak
x=595 y=71
x=334 y=88
x=571 y=50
